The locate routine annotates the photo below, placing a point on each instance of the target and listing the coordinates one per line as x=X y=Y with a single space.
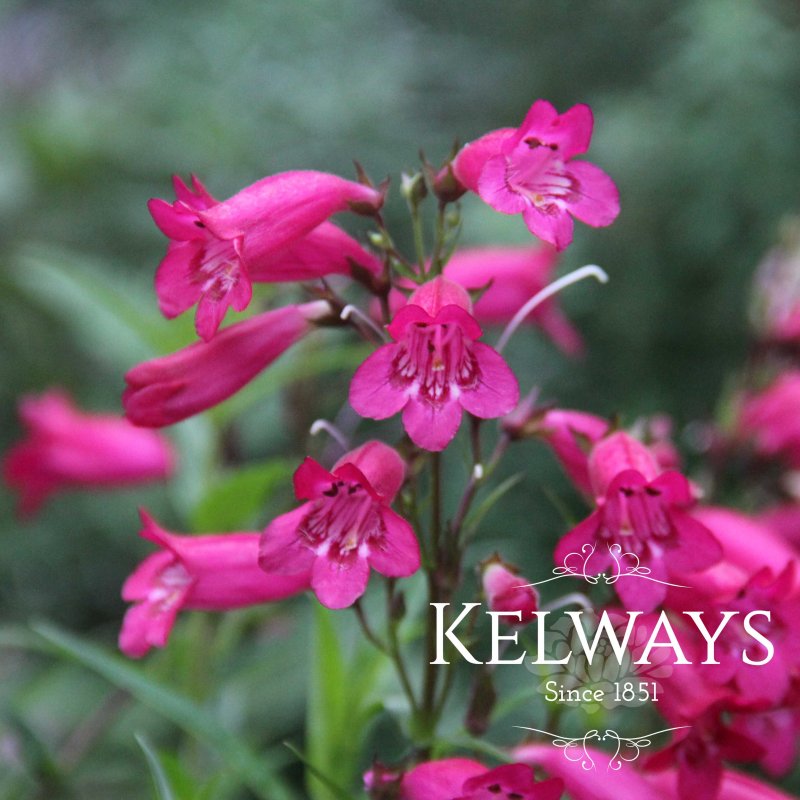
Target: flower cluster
x=652 y=531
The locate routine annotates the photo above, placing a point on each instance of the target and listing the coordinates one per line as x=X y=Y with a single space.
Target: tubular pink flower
x=216 y=247
x=513 y=275
x=217 y=572
x=585 y=783
x=769 y=682
x=66 y=448
x=643 y=512
x=435 y=369
x=748 y=545
x=463 y=779
x=345 y=527
x=784 y=520
x=327 y=250
x=171 y=388
x=733 y=786
x=506 y=590
x=629 y=783
x=530 y=171
x=775 y=310
x=697 y=755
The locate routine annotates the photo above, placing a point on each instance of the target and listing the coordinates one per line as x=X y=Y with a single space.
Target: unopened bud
x=413 y=188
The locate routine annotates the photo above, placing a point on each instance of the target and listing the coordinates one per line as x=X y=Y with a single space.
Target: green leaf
x=36 y=756
x=340 y=706
x=232 y=502
x=97 y=303
x=337 y=791
x=163 y=789
x=257 y=771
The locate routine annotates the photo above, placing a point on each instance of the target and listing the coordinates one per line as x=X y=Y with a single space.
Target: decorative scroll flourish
x=627 y=749
x=625 y=565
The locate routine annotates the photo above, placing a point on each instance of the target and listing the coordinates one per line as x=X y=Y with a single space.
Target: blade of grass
x=257 y=771
x=160 y=780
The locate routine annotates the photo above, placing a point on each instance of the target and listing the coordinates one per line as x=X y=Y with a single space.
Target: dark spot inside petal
x=627 y=491
x=653 y=492
x=199 y=224
x=532 y=142
x=494 y=788
x=515 y=796
x=333 y=491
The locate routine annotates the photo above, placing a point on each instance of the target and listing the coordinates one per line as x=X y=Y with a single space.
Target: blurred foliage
x=697 y=120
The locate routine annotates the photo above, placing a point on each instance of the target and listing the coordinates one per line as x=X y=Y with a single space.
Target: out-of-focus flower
x=171 y=388
x=771 y=419
x=784 y=520
x=216 y=247
x=216 y=572
x=67 y=448
x=435 y=369
x=463 y=779
x=775 y=311
x=697 y=754
x=749 y=544
x=513 y=275
x=345 y=527
x=593 y=777
x=627 y=782
x=732 y=786
x=507 y=590
x=530 y=171
x=768 y=682
x=642 y=513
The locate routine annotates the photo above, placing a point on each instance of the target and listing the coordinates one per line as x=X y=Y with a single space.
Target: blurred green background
x=697 y=120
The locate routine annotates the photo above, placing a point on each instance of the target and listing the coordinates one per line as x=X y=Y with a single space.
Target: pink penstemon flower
x=507 y=591
x=345 y=527
x=67 y=448
x=769 y=682
x=770 y=420
x=215 y=572
x=628 y=781
x=173 y=387
x=435 y=369
x=218 y=248
x=464 y=779
x=641 y=511
x=531 y=171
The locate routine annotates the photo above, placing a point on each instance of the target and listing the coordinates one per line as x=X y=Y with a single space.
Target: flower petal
x=373 y=390
x=397 y=555
x=497 y=392
x=494 y=190
x=553 y=225
x=431 y=427
x=595 y=200
x=472 y=158
x=281 y=549
x=339 y=583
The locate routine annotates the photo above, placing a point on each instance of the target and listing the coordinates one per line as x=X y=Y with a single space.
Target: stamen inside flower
x=436 y=362
x=169 y=587
x=342 y=521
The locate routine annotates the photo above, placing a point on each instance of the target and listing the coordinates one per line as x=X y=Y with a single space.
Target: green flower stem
x=437 y=264
x=476 y=478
